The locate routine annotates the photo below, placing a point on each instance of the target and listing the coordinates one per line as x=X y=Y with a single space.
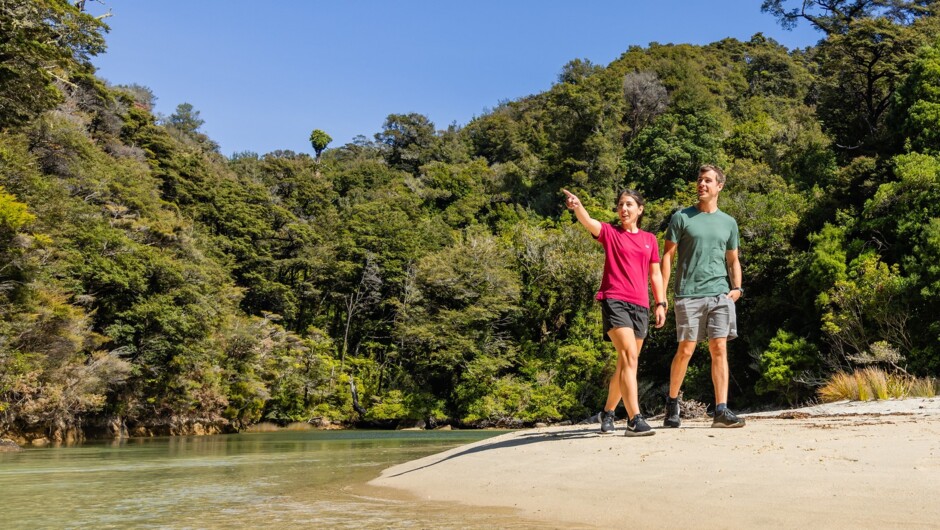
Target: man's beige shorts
x=710 y=317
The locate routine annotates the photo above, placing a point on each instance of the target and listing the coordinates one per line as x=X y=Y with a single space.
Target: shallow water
x=308 y=479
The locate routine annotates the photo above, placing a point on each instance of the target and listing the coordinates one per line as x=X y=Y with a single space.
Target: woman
x=631 y=261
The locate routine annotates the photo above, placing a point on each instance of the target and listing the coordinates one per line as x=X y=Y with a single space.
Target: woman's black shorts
x=621 y=314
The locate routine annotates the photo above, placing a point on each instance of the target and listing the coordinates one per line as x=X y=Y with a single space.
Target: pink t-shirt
x=627 y=259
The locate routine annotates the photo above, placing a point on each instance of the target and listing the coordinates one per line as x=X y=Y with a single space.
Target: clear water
x=309 y=479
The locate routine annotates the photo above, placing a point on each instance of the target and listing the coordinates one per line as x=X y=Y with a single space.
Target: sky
x=263 y=75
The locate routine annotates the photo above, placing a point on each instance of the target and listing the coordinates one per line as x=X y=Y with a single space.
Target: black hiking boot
x=607 y=422
x=638 y=427
x=727 y=419
x=672 y=413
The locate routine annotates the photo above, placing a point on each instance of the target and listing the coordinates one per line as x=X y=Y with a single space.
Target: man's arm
x=669 y=252
x=734 y=273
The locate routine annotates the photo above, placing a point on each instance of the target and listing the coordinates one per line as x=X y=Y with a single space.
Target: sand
x=842 y=465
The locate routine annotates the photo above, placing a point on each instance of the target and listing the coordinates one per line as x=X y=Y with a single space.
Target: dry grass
x=877 y=381
x=926 y=387
x=900 y=386
x=874 y=383
x=861 y=384
x=840 y=386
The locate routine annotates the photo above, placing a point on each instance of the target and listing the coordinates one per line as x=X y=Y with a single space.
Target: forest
x=150 y=284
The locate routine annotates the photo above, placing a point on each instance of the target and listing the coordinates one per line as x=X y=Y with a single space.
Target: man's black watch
x=738 y=289
x=661 y=304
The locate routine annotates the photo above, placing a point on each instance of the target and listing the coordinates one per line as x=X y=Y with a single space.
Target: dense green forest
x=151 y=284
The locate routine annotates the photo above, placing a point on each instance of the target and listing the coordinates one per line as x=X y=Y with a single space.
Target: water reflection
x=312 y=478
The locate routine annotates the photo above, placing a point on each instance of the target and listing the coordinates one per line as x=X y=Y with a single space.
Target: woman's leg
x=613 y=387
x=628 y=353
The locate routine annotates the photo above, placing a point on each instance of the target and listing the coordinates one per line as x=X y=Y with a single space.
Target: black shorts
x=620 y=314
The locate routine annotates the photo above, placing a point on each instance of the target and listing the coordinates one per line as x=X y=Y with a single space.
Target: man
x=708 y=283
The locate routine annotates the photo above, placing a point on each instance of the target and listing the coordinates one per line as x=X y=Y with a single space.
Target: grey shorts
x=621 y=314
x=711 y=317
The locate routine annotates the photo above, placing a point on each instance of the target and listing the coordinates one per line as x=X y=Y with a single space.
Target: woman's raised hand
x=572 y=200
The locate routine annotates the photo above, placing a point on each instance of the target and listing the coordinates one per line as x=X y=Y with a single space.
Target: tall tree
x=319 y=140
x=410 y=140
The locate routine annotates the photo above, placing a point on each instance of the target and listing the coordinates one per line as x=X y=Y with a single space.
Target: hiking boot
x=607 y=422
x=638 y=427
x=727 y=419
x=672 y=414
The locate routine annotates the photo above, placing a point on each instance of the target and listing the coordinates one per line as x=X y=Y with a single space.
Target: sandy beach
x=841 y=465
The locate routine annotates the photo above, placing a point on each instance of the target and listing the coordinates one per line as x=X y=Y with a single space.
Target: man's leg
x=680 y=363
x=723 y=416
x=719 y=351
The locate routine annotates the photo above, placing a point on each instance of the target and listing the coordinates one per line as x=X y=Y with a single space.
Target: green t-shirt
x=702 y=240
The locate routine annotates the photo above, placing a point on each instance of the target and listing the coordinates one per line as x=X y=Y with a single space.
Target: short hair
x=711 y=167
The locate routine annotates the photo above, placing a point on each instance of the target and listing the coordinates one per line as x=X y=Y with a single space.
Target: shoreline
x=846 y=464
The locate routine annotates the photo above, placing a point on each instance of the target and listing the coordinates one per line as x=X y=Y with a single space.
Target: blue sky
x=264 y=74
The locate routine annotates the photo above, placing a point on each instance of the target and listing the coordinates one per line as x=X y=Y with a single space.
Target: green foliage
x=410 y=141
x=667 y=154
x=44 y=43
x=319 y=140
x=786 y=358
x=435 y=274
x=918 y=102
x=860 y=71
x=869 y=305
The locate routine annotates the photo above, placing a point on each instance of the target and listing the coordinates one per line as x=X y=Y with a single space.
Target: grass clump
x=875 y=383
x=925 y=387
x=840 y=386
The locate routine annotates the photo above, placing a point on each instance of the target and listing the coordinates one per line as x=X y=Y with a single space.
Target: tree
x=917 y=108
x=319 y=140
x=646 y=99
x=186 y=119
x=410 y=141
x=836 y=16
x=860 y=70
x=42 y=43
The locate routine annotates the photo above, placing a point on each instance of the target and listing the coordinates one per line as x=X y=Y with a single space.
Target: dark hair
x=718 y=172
x=636 y=197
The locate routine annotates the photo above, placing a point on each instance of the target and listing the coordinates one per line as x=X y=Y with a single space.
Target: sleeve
x=733 y=236
x=604 y=235
x=675 y=227
x=654 y=249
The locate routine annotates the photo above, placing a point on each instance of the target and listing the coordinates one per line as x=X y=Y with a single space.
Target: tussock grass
x=900 y=386
x=875 y=383
x=926 y=387
x=840 y=386
x=861 y=384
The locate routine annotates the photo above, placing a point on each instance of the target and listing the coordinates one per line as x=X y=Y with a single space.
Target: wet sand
x=842 y=465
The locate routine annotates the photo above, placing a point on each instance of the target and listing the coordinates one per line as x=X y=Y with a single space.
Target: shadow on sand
x=525 y=438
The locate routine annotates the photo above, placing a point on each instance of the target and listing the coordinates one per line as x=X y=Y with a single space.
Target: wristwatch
x=738 y=289
x=661 y=304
